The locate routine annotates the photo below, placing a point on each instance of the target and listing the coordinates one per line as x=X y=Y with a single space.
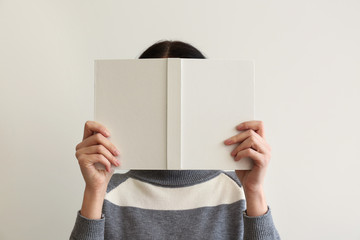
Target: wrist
x=255 y=202
x=92 y=203
x=95 y=192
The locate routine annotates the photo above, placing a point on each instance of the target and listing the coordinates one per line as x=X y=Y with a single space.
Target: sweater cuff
x=260 y=227
x=86 y=228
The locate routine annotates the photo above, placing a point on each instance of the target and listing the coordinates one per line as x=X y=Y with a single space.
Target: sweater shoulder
x=116 y=180
x=232 y=175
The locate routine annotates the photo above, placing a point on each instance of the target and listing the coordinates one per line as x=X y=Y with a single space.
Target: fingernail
x=107 y=133
x=118 y=162
x=229 y=141
x=117 y=152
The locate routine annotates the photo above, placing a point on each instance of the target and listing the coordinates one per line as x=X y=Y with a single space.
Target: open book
x=174 y=113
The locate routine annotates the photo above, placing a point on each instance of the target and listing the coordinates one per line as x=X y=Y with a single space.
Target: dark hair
x=171 y=49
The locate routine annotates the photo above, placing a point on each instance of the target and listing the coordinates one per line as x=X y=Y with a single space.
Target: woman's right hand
x=95 y=148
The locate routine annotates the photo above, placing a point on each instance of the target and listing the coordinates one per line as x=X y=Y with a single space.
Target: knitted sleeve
x=89 y=229
x=260 y=227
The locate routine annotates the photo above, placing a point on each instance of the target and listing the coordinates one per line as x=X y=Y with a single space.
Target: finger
x=100 y=149
x=99 y=158
x=240 y=137
x=92 y=127
x=253 y=142
x=257 y=126
x=258 y=158
x=95 y=158
x=96 y=139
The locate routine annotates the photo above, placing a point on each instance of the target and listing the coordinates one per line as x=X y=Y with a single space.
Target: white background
x=307 y=57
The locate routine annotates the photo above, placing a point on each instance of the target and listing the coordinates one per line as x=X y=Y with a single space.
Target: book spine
x=95 y=79
x=173 y=113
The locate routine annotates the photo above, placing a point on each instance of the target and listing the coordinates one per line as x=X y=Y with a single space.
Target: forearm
x=255 y=202
x=92 y=203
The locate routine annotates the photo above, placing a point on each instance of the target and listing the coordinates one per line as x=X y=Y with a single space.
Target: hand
x=252 y=144
x=94 y=149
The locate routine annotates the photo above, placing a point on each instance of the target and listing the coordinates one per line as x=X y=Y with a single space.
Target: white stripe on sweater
x=216 y=191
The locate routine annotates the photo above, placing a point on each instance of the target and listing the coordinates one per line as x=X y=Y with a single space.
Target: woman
x=184 y=204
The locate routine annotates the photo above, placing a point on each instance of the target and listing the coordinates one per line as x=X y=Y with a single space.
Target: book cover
x=174 y=113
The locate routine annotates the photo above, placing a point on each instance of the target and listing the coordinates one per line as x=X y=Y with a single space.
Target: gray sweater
x=175 y=205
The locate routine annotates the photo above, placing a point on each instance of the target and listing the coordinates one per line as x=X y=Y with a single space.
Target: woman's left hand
x=252 y=144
